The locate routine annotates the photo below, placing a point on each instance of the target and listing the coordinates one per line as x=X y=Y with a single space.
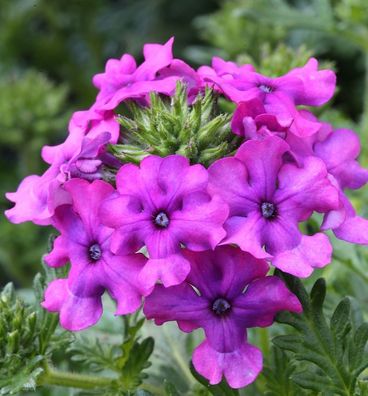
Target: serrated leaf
x=328 y=347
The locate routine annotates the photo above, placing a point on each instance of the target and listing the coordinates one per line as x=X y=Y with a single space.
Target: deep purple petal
x=263 y=299
x=223 y=272
x=176 y=303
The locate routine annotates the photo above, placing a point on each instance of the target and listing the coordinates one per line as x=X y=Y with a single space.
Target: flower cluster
x=195 y=244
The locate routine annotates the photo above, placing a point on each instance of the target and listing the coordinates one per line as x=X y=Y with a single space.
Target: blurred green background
x=49 y=51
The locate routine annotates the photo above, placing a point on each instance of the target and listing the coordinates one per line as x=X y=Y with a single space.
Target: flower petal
x=262 y=300
x=240 y=367
x=313 y=252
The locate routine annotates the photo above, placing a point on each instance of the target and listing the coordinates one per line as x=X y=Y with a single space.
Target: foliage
x=72 y=43
x=31 y=336
x=174 y=127
x=335 y=348
x=33 y=112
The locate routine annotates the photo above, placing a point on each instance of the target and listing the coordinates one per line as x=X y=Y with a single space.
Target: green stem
x=264 y=341
x=72 y=380
x=179 y=357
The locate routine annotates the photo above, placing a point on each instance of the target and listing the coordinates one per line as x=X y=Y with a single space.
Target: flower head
x=159 y=72
x=301 y=86
x=226 y=292
x=94 y=268
x=164 y=204
x=269 y=198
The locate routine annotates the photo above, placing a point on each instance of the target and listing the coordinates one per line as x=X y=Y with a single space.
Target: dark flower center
x=265 y=88
x=95 y=252
x=220 y=306
x=162 y=220
x=268 y=210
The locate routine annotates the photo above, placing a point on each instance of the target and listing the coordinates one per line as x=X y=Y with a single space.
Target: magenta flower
x=38 y=196
x=252 y=121
x=269 y=198
x=94 y=268
x=162 y=205
x=123 y=80
x=340 y=151
x=226 y=292
x=301 y=86
x=93 y=122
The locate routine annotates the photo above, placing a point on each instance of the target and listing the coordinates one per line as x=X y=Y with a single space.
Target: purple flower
x=93 y=122
x=123 y=80
x=162 y=205
x=252 y=121
x=38 y=196
x=301 y=86
x=340 y=151
x=94 y=268
x=269 y=198
x=226 y=292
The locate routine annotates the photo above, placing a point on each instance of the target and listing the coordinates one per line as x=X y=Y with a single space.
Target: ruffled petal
x=76 y=313
x=263 y=160
x=232 y=173
x=304 y=190
x=122 y=281
x=240 y=367
x=59 y=255
x=88 y=209
x=262 y=300
x=171 y=270
x=198 y=225
x=313 y=252
x=246 y=232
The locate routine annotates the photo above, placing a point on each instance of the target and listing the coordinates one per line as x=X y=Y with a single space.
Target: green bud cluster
x=198 y=131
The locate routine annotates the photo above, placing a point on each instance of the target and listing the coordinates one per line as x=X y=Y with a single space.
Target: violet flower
x=94 y=268
x=123 y=80
x=37 y=196
x=164 y=204
x=301 y=86
x=226 y=292
x=269 y=198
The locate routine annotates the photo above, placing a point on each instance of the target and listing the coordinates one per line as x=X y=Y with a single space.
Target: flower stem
x=72 y=380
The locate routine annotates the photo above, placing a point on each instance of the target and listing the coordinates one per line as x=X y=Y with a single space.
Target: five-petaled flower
x=226 y=292
x=94 y=268
x=268 y=198
x=164 y=204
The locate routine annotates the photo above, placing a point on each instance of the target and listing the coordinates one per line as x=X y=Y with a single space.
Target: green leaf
x=333 y=351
